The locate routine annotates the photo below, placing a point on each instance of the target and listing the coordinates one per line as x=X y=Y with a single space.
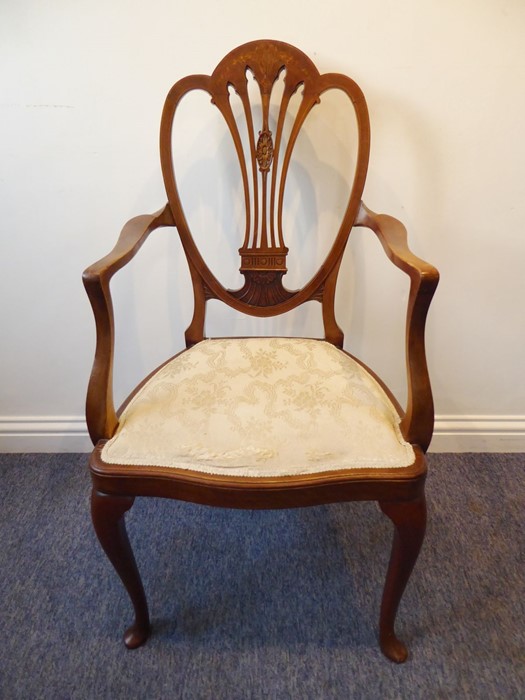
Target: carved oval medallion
x=264 y=150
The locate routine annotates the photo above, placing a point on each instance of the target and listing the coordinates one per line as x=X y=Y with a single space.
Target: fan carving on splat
x=264 y=155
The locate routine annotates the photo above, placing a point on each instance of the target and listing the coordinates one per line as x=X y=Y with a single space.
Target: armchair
x=263 y=422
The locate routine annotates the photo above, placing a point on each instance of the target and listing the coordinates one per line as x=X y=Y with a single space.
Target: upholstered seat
x=260 y=407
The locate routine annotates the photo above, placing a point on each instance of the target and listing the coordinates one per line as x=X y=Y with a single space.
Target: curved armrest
x=101 y=418
x=418 y=422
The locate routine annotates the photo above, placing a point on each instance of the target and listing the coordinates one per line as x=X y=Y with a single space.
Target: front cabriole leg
x=409 y=518
x=108 y=512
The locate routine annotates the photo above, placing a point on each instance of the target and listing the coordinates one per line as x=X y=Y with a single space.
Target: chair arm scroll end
x=101 y=417
x=418 y=422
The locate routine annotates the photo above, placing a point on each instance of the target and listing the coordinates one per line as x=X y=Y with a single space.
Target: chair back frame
x=264 y=159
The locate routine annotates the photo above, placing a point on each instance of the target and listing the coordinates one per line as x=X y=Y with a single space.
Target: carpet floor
x=262 y=604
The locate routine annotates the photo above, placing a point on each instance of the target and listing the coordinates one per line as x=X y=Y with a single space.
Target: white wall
x=81 y=91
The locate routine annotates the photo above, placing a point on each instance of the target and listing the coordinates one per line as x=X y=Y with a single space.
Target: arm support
x=100 y=410
x=418 y=422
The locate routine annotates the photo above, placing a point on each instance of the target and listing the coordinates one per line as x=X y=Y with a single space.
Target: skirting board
x=451 y=434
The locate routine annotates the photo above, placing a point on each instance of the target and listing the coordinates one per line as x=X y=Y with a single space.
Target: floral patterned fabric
x=260 y=407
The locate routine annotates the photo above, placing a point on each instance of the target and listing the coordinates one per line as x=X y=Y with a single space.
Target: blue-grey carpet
x=275 y=604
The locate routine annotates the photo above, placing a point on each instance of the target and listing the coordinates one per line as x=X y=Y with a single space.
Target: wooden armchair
x=263 y=422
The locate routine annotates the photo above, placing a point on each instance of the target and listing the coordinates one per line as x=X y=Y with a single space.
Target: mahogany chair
x=263 y=422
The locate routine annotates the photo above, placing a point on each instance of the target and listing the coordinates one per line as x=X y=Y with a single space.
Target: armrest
x=101 y=418
x=418 y=422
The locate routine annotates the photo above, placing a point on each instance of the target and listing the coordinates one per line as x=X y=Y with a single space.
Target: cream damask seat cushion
x=260 y=407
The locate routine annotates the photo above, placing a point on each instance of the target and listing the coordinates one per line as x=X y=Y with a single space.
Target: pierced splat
x=263 y=254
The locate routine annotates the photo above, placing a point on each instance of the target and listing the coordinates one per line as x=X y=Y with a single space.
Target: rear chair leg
x=108 y=512
x=409 y=519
